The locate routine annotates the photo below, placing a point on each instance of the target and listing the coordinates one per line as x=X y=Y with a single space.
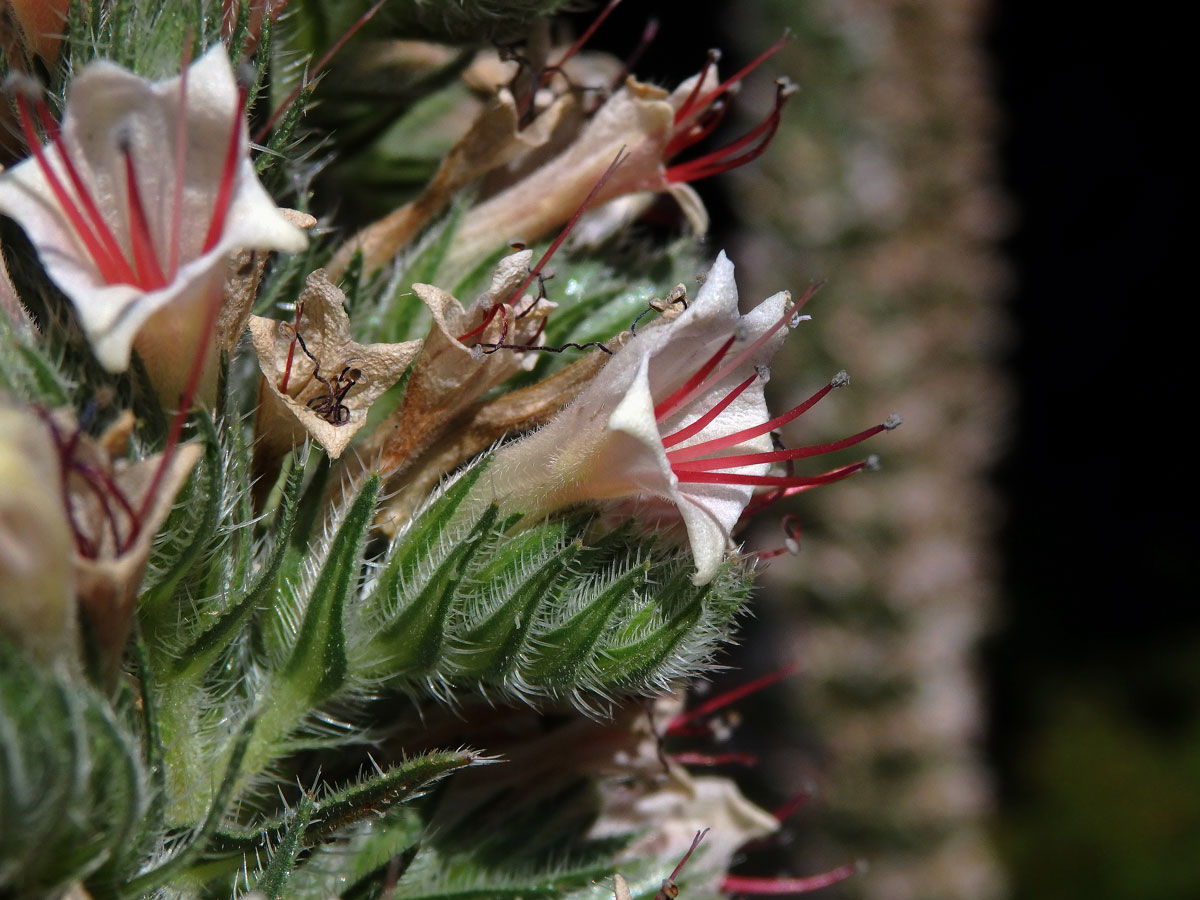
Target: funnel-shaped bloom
x=674 y=429
x=138 y=202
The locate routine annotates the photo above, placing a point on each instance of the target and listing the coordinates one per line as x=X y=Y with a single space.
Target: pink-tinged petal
x=116 y=122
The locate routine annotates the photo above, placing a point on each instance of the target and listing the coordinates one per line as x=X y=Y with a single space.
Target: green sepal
x=493 y=648
x=191 y=526
x=273 y=879
x=342 y=809
x=421 y=541
x=182 y=860
x=563 y=655
x=72 y=787
x=317 y=665
x=207 y=647
x=413 y=643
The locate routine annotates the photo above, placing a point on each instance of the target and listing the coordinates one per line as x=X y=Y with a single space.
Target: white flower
x=674 y=429
x=138 y=203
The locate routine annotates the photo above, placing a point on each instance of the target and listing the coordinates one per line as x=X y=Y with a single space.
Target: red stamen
x=737 y=437
x=145 y=258
x=724 y=159
x=180 y=159
x=697 y=131
x=115 y=254
x=770 y=480
x=773 y=887
x=725 y=85
x=700 y=424
x=791 y=543
x=104 y=264
x=679 y=398
x=88 y=476
x=579 y=43
x=308 y=79
x=287 y=369
x=669 y=881
x=570 y=226
x=771 y=456
x=692 y=384
x=487 y=320
x=216 y=224
x=711 y=59
x=761 y=501
x=649 y=33
x=714 y=759
x=790 y=806
x=726 y=698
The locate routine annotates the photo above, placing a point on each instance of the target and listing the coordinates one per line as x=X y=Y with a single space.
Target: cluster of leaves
x=277 y=653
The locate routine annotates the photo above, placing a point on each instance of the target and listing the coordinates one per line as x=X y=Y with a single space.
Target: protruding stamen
x=791 y=540
x=685 y=460
x=731 y=155
x=287 y=369
x=725 y=85
x=101 y=229
x=789 y=481
x=669 y=889
x=769 y=887
x=696 y=131
x=710 y=59
x=710 y=706
x=580 y=42
x=649 y=33
x=760 y=502
x=700 y=424
x=675 y=400
x=569 y=227
x=106 y=266
x=690 y=758
x=788 y=808
x=216 y=225
x=754 y=431
x=145 y=258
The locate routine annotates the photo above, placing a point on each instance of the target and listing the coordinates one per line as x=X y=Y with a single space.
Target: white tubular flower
x=674 y=429
x=137 y=204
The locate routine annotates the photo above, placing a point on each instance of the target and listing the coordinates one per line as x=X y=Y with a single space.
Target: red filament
x=768 y=887
x=216 y=225
x=145 y=259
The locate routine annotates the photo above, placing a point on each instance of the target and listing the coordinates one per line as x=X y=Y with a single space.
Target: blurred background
x=999 y=661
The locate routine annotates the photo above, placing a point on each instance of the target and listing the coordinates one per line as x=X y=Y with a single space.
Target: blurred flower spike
x=658 y=437
x=137 y=203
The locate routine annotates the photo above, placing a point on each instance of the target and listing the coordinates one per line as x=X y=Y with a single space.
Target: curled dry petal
x=316 y=380
x=453 y=370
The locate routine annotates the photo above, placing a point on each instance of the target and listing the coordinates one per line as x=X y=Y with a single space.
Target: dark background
x=1094 y=670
